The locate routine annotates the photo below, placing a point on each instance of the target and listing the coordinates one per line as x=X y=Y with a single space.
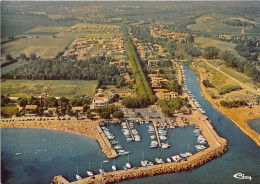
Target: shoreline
x=83 y=128
x=241 y=124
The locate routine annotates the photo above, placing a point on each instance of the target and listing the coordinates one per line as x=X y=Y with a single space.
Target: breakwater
x=218 y=146
x=167 y=168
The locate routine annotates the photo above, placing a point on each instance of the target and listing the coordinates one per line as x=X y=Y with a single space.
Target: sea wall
x=167 y=168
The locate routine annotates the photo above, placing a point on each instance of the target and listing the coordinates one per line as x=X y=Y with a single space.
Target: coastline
x=239 y=116
x=84 y=128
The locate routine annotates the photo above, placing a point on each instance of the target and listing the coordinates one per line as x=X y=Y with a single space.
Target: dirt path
x=243 y=85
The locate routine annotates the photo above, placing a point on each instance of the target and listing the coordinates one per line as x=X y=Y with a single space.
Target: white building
x=99 y=102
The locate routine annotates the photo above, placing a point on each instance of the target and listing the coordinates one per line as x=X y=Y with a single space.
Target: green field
x=214 y=23
x=237 y=75
x=58 y=88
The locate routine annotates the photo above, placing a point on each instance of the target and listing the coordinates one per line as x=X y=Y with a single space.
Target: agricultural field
x=45 y=30
x=204 y=42
x=44 y=46
x=61 y=88
x=13 y=25
x=214 y=23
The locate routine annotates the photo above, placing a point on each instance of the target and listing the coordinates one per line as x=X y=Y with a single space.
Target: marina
x=237 y=139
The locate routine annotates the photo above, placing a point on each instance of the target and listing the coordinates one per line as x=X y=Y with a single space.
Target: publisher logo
x=242 y=176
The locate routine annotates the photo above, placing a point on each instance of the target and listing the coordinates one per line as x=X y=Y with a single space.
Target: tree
x=5 y=101
x=118 y=114
x=23 y=102
x=211 y=52
x=90 y=116
x=105 y=115
x=32 y=56
x=22 y=56
x=51 y=101
x=112 y=108
x=9 y=57
x=190 y=39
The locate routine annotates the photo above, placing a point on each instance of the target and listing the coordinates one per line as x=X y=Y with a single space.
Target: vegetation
x=237 y=22
x=233 y=103
x=182 y=50
x=173 y=86
x=170 y=106
x=58 y=88
x=118 y=114
x=228 y=89
x=249 y=49
x=211 y=52
x=142 y=85
x=54 y=69
x=242 y=66
x=207 y=84
x=137 y=102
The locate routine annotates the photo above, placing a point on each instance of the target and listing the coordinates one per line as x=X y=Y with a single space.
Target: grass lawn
x=61 y=88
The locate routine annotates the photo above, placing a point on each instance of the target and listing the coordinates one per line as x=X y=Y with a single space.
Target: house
x=166 y=95
x=153 y=63
x=14 y=99
x=156 y=85
x=51 y=111
x=99 y=102
x=30 y=110
x=118 y=63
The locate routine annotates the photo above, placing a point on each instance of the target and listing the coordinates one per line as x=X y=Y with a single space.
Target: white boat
x=124 y=153
x=152 y=136
x=169 y=160
x=129 y=139
x=200 y=147
x=118 y=147
x=114 y=168
x=176 y=158
x=128 y=165
x=101 y=171
x=78 y=177
x=114 y=142
x=105 y=161
x=149 y=164
x=165 y=145
x=159 y=160
x=90 y=173
x=144 y=163
x=163 y=137
x=18 y=153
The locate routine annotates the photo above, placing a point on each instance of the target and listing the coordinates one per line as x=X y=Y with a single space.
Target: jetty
x=105 y=144
x=157 y=134
x=127 y=124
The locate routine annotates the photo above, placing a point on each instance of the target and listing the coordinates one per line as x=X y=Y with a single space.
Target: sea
x=36 y=156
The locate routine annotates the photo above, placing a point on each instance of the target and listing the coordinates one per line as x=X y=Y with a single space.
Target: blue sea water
x=46 y=153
